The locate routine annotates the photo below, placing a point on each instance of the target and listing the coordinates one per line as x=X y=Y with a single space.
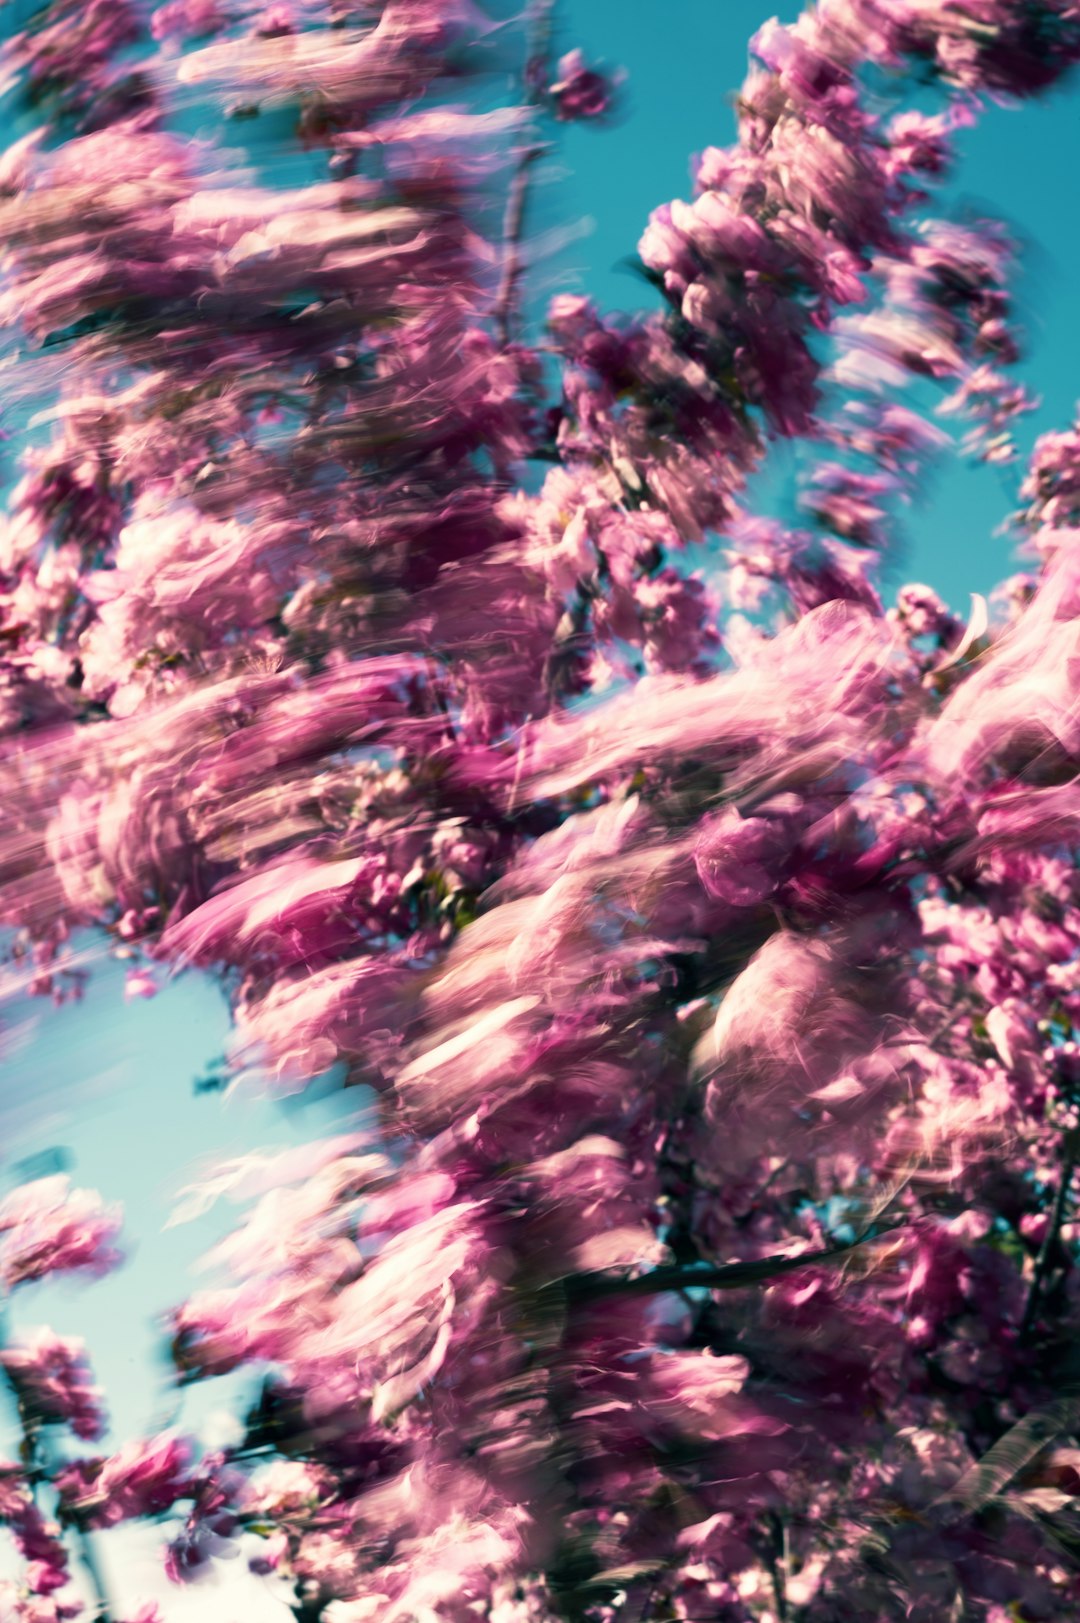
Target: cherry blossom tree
x=708 y=933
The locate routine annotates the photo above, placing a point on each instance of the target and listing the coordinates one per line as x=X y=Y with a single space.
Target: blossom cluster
x=707 y=932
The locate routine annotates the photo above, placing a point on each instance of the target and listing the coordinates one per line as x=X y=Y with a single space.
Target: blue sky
x=114 y=1082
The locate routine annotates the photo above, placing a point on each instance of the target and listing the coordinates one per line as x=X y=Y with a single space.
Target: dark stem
x=537 y=49
x=777 y=1562
x=730 y=1276
x=1071 y=1148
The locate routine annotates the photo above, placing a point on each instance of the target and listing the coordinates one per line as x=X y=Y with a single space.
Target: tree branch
x=537 y=48
x=730 y=1276
x=778 y=1563
x=1071 y=1149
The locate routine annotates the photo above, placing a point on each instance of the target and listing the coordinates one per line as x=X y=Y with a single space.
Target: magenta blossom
x=48 y=1228
x=580 y=93
x=53 y=1380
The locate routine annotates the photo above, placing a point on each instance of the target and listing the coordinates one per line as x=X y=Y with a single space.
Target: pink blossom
x=580 y=92
x=139 y=983
x=143 y=1479
x=51 y=1228
x=186 y=19
x=708 y=1244
x=53 y=1379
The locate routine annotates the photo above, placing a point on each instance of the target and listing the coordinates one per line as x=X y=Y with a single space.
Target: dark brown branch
x=513 y=230
x=777 y=1560
x=1043 y=1262
x=537 y=49
x=730 y=1276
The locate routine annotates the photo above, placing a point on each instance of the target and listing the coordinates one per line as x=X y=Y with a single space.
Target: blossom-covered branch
x=670 y=909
